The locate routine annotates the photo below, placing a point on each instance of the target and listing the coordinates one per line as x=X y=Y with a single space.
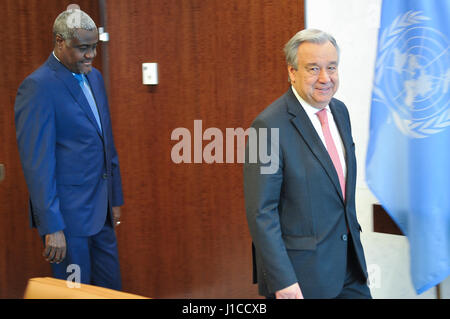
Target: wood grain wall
x=184 y=232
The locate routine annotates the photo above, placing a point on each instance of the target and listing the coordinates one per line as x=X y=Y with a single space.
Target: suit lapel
x=304 y=126
x=74 y=88
x=95 y=92
x=344 y=130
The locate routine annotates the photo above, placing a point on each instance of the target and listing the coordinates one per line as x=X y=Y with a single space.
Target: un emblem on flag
x=412 y=75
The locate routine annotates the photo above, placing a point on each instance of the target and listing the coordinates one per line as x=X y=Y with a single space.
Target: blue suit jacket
x=297 y=216
x=70 y=167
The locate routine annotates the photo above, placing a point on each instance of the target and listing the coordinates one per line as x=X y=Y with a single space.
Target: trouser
x=355 y=285
x=91 y=260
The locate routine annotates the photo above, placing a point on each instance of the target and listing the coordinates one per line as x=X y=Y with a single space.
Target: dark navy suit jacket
x=70 y=167
x=297 y=216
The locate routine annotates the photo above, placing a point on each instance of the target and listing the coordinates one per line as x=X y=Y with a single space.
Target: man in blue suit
x=67 y=151
x=302 y=217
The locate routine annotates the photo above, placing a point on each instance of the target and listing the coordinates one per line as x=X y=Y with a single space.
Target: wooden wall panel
x=26 y=42
x=184 y=232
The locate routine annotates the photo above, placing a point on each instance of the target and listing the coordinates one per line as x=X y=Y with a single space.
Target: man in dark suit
x=302 y=218
x=68 y=156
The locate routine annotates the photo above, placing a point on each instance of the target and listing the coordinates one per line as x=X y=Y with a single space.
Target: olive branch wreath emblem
x=413 y=128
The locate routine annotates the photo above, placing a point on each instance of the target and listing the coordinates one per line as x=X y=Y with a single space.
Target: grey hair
x=69 y=21
x=307 y=35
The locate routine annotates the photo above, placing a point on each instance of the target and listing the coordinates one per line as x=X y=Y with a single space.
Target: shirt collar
x=56 y=56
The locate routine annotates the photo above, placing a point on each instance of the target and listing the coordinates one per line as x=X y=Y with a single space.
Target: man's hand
x=55 y=247
x=116 y=216
x=291 y=292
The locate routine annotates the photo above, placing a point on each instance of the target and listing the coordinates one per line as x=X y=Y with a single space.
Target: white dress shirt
x=311 y=111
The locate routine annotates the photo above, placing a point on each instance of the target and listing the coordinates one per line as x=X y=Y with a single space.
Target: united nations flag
x=408 y=158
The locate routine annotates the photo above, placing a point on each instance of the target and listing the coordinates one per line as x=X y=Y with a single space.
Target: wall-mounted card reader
x=150 y=73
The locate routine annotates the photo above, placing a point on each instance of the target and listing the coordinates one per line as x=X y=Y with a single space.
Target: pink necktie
x=331 y=147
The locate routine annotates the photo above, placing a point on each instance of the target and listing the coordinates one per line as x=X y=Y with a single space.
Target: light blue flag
x=408 y=158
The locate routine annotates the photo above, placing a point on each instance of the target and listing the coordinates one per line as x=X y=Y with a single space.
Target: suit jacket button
x=105 y=176
x=344 y=237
